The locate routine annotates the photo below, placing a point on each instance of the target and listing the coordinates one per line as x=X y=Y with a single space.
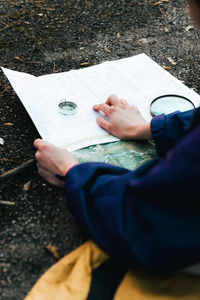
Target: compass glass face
x=67 y=107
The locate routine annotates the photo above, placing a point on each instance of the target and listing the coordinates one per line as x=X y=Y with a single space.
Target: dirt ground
x=46 y=36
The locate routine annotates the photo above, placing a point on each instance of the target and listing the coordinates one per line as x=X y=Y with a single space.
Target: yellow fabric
x=70 y=278
x=142 y=286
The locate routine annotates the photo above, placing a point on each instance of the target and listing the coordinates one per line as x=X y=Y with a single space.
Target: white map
x=137 y=79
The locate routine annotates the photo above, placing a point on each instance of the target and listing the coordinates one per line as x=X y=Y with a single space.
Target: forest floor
x=48 y=36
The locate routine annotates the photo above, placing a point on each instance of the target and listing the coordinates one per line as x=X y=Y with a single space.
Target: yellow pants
x=71 y=278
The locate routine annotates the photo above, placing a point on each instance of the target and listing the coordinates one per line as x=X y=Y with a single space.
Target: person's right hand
x=125 y=121
x=52 y=160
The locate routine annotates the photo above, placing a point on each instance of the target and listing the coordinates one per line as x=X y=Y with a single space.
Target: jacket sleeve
x=149 y=216
x=169 y=129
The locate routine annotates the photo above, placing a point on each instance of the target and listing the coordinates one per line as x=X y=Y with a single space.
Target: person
x=150 y=216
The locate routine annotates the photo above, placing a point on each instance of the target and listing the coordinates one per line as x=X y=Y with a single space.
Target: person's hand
x=52 y=160
x=125 y=121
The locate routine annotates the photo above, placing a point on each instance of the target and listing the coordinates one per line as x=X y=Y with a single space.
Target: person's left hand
x=124 y=121
x=52 y=160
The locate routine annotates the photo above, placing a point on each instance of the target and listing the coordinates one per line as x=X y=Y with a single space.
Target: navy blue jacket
x=150 y=216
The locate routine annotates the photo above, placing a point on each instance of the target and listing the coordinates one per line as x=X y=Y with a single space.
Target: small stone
x=1 y=141
x=188 y=28
x=147 y=40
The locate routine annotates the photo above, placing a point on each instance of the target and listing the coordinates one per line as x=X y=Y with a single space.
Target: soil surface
x=41 y=37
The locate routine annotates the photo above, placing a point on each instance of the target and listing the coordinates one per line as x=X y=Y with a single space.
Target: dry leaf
x=128 y=40
x=166 y=29
x=171 y=60
x=118 y=35
x=86 y=63
x=106 y=50
x=157 y=3
x=27 y=186
x=8 y=124
x=17 y=58
x=53 y=250
x=166 y=68
x=1 y=141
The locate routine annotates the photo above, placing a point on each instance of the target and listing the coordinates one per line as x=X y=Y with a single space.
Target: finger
x=37 y=155
x=102 y=107
x=103 y=123
x=37 y=143
x=43 y=159
x=122 y=101
x=112 y=100
x=44 y=173
x=51 y=178
x=39 y=159
x=96 y=107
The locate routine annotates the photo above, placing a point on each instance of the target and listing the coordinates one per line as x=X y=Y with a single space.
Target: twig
x=54 y=67
x=3 y=22
x=13 y=3
x=151 y=142
x=9 y=203
x=162 y=12
x=9 y=26
x=17 y=170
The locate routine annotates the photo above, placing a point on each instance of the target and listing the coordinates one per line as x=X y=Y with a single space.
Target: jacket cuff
x=158 y=130
x=75 y=179
x=79 y=181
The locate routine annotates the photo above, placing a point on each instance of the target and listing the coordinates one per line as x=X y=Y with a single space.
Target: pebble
x=1 y=141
